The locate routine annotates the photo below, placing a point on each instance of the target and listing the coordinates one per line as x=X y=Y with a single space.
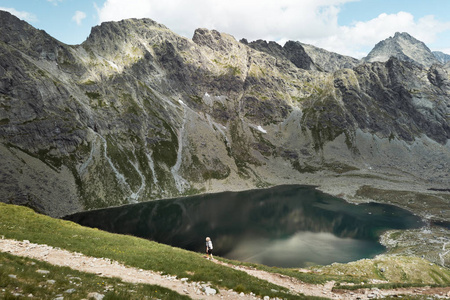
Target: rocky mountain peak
x=124 y=30
x=404 y=47
x=442 y=57
x=24 y=37
x=292 y=51
x=215 y=40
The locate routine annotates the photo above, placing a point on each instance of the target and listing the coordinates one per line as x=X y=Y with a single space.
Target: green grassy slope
x=20 y=278
x=22 y=223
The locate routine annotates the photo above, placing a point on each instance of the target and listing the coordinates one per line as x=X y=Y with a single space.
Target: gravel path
x=108 y=268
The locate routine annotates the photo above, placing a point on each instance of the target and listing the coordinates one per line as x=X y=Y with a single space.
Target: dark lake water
x=285 y=226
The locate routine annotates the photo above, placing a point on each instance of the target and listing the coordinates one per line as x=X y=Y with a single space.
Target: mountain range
x=137 y=112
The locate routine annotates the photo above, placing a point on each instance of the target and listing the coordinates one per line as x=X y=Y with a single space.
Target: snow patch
x=261 y=129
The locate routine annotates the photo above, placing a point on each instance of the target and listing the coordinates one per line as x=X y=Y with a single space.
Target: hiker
x=209 y=248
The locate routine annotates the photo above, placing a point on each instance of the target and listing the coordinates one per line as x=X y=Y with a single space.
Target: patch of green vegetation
x=89 y=82
x=42 y=73
x=66 y=64
x=93 y=95
x=131 y=106
x=21 y=223
x=122 y=157
x=307 y=277
x=395 y=235
x=193 y=191
x=367 y=176
x=417 y=202
x=392 y=268
x=391 y=137
x=196 y=99
x=220 y=170
x=440 y=277
x=19 y=277
x=52 y=162
x=383 y=286
x=262 y=184
x=322 y=117
x=233 y=70
x=305 y=168
x=339 y=167
x=298 y=99
x=166 y=150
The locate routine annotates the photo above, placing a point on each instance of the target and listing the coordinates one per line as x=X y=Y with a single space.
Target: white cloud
x=251 y=19
x=26 y=16
x=361 y=37
x=309 y=21
x=55 y=2
x=444 y=50
x=78 y=17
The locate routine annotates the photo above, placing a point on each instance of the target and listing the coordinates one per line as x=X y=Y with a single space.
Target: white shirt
x=209 y=245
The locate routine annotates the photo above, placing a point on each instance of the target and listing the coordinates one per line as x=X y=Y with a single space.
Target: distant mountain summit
x=404 y=47
x=442 y=57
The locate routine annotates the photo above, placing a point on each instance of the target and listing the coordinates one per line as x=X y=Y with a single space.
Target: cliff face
x=137 y=113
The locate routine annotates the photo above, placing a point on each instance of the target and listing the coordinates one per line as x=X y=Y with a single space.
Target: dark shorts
x=210 y=251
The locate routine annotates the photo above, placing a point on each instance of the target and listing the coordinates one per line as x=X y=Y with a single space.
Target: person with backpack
x=209 y=248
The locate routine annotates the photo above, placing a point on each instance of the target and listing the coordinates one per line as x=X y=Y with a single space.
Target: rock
x=12 y=276
x=209 y=291
x=402 y=46
x=95 y=296
x=51 y=281
x=70 y=291
x=43 y=271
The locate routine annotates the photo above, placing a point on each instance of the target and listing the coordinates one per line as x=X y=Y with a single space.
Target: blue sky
x=350 y=27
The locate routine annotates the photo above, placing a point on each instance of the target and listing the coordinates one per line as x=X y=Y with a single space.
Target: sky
x=349 y=27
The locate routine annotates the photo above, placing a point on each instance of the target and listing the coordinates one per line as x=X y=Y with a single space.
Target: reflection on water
x=302 y=249
x=286 y=226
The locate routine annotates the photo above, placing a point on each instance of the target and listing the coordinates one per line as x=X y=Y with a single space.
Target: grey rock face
x=404 y=47
x=441 y=57
x=292 y=51
x=329 y=61
x=137 y=113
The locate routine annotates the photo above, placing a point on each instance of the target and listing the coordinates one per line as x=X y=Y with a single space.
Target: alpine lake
x=285 y=226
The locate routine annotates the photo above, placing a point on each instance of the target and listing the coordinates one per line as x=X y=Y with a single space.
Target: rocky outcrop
x=441 y=57
x=292 y=51
x=137 y=113
x=329 y=61
x=404 y=47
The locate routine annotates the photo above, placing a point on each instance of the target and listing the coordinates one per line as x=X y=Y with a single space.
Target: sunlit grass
x=19 y=278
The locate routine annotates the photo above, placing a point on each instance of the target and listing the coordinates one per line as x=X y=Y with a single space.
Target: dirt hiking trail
x=195 y=290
